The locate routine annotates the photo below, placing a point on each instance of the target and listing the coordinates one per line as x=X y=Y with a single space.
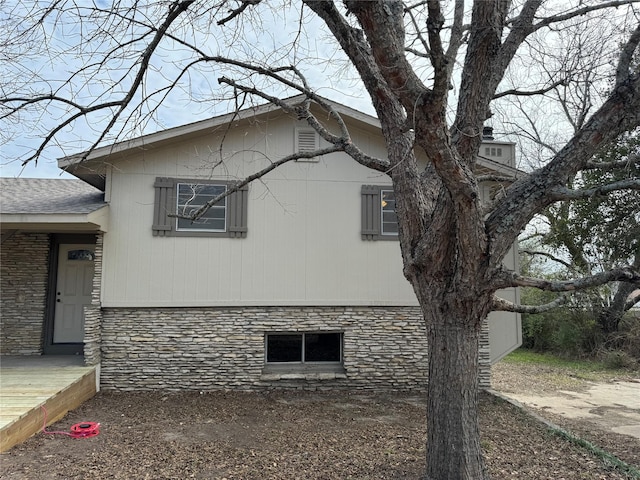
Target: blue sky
x=265 y=33
x=62 y=50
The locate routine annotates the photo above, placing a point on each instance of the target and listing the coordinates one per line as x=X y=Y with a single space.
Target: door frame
x=48 y=347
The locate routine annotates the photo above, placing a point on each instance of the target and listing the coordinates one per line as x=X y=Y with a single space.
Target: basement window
x=303 y=349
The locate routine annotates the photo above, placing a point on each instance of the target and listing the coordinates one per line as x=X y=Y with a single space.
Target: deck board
x=28 y=384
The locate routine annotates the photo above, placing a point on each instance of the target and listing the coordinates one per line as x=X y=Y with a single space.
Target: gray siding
x=24 y=259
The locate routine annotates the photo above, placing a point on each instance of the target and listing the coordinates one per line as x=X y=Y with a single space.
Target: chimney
x=487 y=133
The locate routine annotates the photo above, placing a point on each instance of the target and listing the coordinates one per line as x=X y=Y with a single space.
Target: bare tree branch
x=623 y=274
x=632 y=159
x=175 y=10
x=633 y=299
x=547 y=255
x=582 y=11
x=435 y=22
x=302 y=112
x=496 y=178
x=626 y=57
x=237 y=11
x=500 y=304
x=618 y=114
x=564 y=193
x=530 y=93
x=196 y=214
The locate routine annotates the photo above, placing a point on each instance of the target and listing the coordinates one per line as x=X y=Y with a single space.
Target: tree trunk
x=454 y=322
x=609 y=318
x=453 y=403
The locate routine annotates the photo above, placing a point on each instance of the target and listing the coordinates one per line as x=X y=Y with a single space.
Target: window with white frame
x=180 y=197
x=191 y=197
x=389 y=219
x=303 y=348
x=493 y=151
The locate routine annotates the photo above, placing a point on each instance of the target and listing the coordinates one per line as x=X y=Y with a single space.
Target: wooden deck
x=59 y=383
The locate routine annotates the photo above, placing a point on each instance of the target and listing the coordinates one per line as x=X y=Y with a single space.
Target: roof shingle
x=48 y=196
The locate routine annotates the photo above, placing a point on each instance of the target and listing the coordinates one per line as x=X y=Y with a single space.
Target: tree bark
x=452 y=403
x=454 y=322
x=609 y=318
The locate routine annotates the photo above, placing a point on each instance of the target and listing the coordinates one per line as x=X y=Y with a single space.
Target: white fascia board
x=97 y=220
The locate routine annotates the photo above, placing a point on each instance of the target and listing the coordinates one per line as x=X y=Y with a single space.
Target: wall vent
x=306 y=140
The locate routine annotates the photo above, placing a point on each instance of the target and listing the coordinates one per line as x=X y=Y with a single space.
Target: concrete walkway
x=615 y=406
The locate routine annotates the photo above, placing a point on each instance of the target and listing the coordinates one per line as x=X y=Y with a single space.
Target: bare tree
x=591 y=235
x=432 y=70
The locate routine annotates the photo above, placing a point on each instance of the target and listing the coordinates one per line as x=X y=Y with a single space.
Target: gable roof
x=197 y=128
x=74 y=164
x=51 y=204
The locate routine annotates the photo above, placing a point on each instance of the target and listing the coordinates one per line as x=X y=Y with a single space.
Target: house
x=293 y=282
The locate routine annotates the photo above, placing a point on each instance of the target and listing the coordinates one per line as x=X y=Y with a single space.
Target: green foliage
x=602 y=231
x=589 y=236
x=618 y=359
x=565 y=331
x=623 y=347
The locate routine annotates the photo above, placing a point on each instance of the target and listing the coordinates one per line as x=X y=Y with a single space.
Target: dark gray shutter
x=370 y=212
x=163 y=206
x=237 y=213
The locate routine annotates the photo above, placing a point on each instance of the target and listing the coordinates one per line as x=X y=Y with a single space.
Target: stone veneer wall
x=223 y=348
x=24 y=266
x=93 y=312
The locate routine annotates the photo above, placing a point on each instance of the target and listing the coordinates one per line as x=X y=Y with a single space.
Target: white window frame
x=382 y=205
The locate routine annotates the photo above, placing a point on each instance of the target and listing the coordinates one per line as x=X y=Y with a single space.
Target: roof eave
x=96 y=220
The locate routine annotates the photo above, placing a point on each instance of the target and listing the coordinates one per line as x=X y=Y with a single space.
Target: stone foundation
x=384 y=349
x=224 y=348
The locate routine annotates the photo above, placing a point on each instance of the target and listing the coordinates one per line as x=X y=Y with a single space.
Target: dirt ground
x=602 y=408
x=295 y=435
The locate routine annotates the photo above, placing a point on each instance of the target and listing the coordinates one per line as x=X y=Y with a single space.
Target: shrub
x=565 y=331
x=618 y=359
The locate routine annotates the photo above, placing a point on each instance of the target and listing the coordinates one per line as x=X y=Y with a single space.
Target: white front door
x=73 y=291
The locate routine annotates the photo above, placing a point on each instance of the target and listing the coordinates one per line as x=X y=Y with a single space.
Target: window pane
x=193 y=196
x=201 y=224
x=196 y=195
x=284 y=348
x=80 y=255
x=322 y=347
x=388 y=210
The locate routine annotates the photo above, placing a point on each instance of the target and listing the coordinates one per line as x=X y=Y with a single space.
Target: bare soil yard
x=293 y=435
